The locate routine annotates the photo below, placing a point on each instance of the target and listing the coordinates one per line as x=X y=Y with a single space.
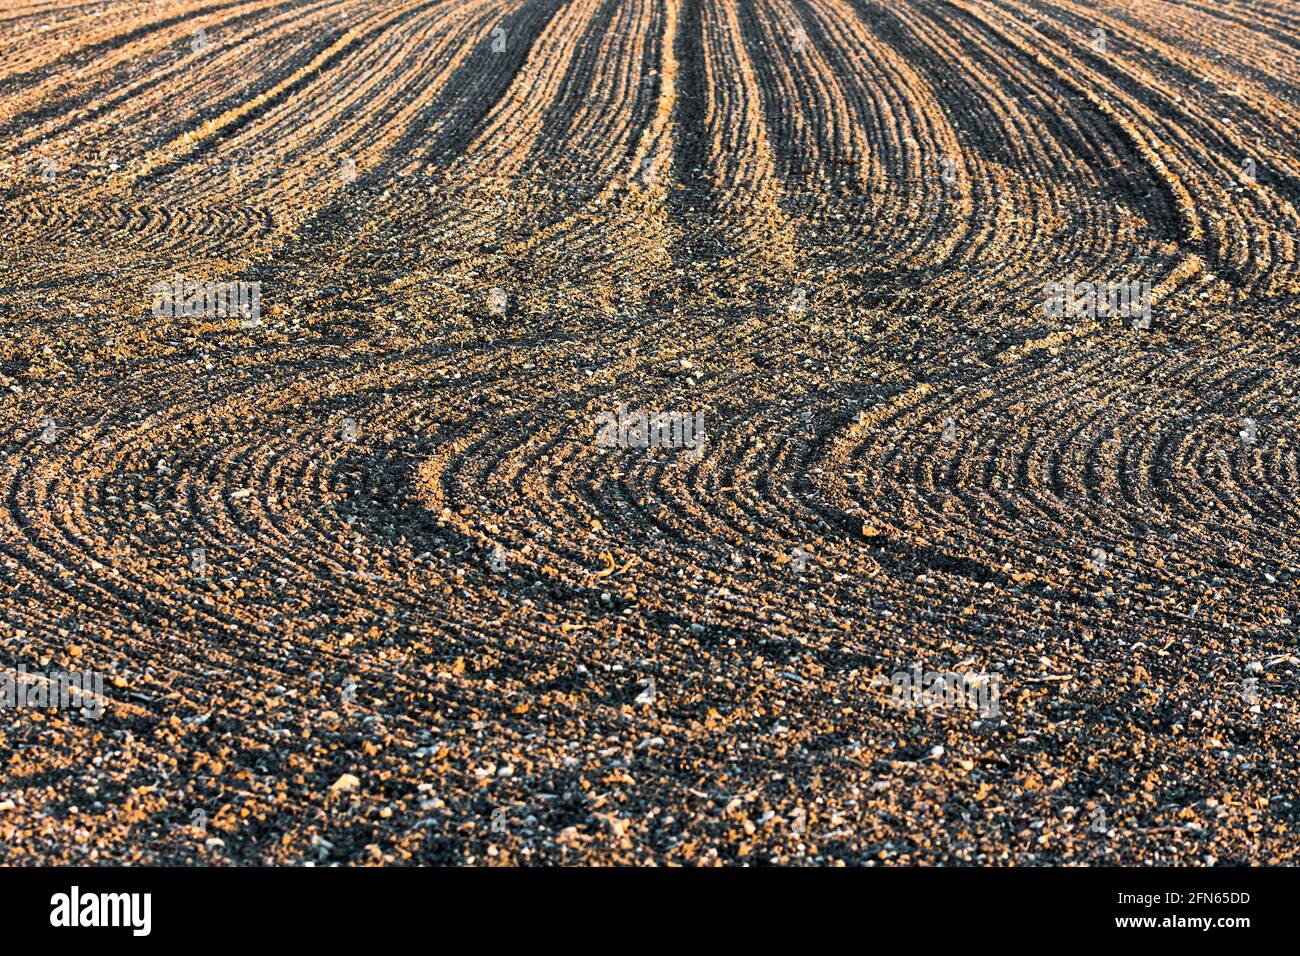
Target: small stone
x=345 y=784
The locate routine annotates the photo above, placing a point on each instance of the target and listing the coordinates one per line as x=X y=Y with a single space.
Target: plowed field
x=365 y=585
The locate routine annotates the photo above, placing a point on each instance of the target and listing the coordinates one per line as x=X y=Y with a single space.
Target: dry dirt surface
x=365 y=584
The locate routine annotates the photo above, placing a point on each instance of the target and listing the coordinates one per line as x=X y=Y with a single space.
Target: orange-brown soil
x=433 y=620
